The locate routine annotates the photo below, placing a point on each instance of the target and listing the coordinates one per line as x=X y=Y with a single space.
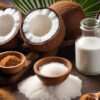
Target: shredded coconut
x=53 y=69
x=34 y=89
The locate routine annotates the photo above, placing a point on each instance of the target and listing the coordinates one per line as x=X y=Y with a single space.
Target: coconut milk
x=88 y=55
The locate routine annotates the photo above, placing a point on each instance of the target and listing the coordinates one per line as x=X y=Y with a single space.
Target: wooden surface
x=6 y=79
x=89 y=84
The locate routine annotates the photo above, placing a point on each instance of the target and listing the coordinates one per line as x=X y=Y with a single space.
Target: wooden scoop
x=91 y=96
x=98 y=95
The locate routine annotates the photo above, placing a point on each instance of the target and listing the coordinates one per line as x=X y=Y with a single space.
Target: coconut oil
x=87 y=47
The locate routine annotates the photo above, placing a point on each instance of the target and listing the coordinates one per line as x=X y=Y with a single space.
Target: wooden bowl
x=47 y=80
x=12 y=69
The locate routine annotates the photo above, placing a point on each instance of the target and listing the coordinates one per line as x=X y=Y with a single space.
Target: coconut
x=2 y=5
x=43 y=29
x=10 y=22
x=72 y=13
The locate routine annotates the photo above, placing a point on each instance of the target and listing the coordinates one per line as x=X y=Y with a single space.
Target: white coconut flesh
x=10 y=19
x=40 y=25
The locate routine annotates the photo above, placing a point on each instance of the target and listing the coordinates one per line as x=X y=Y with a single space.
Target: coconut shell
x=98 y=14
x=50 y=44
x=16 y=41
x=2 y=5
x=12 y=44
x=72 y=13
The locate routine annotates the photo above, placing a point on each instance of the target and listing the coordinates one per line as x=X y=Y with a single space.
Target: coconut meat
x=40 y=25
x=9 y=21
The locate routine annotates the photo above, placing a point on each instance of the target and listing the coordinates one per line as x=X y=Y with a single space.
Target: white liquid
x=88 y=55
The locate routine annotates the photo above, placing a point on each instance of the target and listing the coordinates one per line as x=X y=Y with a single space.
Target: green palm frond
x=90 y=7
x=28 y=5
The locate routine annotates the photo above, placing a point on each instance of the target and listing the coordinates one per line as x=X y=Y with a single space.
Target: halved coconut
x=72 y=13
x=43 y=29
x=10 y=22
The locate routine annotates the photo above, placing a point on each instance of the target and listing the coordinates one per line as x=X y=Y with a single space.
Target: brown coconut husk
x=72 y=13
x=16 y=41
x=2 y=5
x=50 y=44
x=12 y=44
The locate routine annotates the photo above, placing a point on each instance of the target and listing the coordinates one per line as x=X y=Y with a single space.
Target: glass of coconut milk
x=87 y=47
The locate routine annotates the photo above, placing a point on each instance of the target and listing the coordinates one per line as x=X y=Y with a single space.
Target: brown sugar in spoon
x=91 y=96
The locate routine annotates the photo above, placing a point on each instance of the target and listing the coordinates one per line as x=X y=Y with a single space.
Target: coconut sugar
x=10 y=60
x=53 y=69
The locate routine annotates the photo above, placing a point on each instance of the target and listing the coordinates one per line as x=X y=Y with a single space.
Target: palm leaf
x=90 y=7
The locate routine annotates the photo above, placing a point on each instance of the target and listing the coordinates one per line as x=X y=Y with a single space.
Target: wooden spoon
x=91 y=96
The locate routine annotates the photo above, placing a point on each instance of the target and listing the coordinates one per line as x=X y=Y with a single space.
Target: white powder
x=53 y=69
x=34 y=89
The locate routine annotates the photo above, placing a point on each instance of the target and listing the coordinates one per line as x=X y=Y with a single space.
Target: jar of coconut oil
x=87 y=47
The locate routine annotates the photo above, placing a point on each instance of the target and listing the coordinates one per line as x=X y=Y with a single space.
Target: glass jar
x=87 y=47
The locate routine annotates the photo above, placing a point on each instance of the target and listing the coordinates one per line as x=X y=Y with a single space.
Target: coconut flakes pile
x=34 y=89
x=53 y=69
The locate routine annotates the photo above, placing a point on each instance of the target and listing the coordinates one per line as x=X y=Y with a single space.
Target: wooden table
x=90 y=83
